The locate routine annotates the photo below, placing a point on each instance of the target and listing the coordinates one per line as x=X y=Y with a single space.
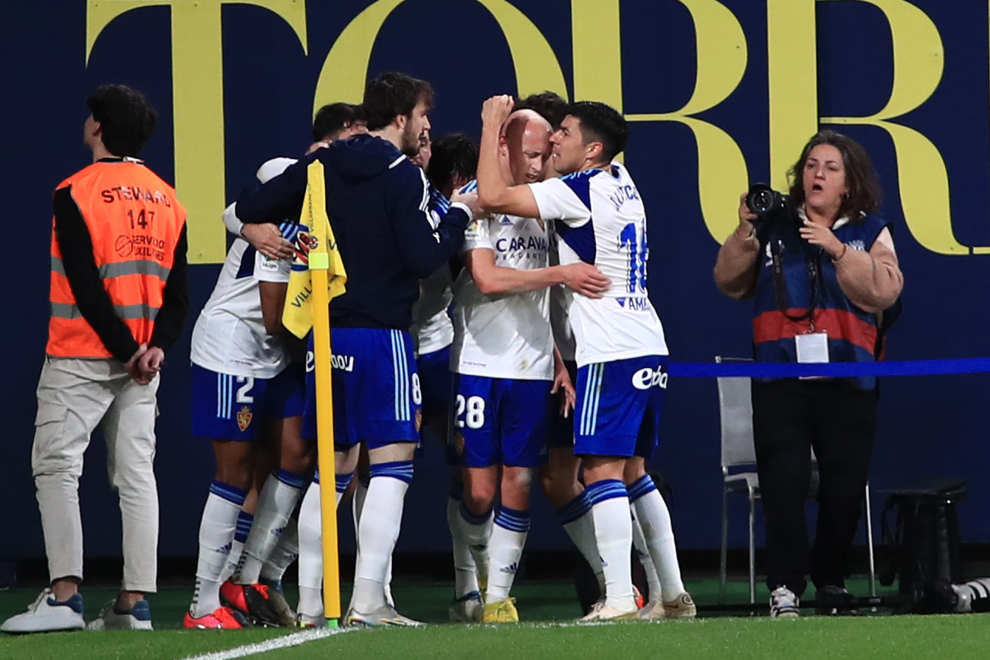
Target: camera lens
x=761 y=201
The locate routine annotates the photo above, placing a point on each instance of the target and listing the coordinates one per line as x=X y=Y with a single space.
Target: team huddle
x=534 y=350
x=503 y=309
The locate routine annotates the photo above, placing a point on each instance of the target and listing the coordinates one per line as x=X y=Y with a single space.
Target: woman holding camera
x=821 y=268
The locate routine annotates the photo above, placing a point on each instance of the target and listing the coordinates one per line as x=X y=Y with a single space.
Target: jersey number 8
x=474 y=407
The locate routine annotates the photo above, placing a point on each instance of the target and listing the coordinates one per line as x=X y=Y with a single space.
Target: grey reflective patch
x=121 y=268
x=139 y=311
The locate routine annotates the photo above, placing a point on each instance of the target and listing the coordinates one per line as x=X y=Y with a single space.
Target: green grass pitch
x=548 y=610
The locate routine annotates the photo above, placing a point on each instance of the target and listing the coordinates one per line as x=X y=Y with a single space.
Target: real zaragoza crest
x=244 y=418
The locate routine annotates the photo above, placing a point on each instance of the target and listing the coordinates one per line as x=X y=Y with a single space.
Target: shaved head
x=525 y=146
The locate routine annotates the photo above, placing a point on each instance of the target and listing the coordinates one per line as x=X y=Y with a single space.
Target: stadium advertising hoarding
x=720 y=94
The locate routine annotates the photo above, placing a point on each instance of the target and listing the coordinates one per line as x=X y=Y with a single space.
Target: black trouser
x=838 y=420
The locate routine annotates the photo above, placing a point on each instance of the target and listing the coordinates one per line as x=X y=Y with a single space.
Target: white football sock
x=654 y=518
x=476 y=531
x=381 y=518
x=643 y=554
x=244 y=522
x=505 y=548
x=277 y=499
x=285 y=552
x=613 y=534
x=216 y=533
x=465 y=570
x=311 y=552
x=580 y=526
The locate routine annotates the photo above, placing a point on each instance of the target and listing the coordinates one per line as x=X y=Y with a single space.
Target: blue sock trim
x=607 y=489
x=343 y=481
x=290 y=479
x=456 y=490
x=228 y=492
x=244 y=522
x=401 y=470
x=574 y=509
x=512 y=519
x=640 y=487
x=316 y=477
x=473 y=518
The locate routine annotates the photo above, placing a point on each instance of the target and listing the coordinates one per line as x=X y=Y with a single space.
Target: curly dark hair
x=864 y=195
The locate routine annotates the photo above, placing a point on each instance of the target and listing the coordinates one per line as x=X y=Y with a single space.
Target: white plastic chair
x=739 y=475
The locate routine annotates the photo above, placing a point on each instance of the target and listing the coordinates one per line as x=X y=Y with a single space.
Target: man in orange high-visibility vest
x=119 y=298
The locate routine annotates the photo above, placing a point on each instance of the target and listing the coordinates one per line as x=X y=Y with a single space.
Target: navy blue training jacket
x=378 y=203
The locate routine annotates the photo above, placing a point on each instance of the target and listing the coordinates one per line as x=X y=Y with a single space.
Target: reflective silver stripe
x=135 y=267
x=139 y=311
x=57 y=266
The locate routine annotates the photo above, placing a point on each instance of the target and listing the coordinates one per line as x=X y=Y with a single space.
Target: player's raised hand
x=267 y=239
x=586 y=280
x=496 y=110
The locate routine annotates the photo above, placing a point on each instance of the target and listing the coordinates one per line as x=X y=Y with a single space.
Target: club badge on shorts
x=244 y=418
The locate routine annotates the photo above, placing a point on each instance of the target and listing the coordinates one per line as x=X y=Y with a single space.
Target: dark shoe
x=831 y=600
x=251 y=600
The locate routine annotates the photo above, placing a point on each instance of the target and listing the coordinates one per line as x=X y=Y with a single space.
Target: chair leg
x=723 y=558
x=752 y=548
x=869 y=540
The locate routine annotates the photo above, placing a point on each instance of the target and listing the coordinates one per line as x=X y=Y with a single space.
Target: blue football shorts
x=435 y=379
x=499 y=421
x=226 y=407
x=619 y=406
x=376 y=392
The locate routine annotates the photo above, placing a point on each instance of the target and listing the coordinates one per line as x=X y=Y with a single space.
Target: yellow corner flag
x=328 y=278
x=318 y=251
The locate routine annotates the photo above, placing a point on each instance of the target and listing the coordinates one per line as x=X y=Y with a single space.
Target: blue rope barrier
x=830 y=370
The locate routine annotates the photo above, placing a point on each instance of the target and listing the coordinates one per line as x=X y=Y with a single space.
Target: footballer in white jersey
x=621 y=351
x=503 y=361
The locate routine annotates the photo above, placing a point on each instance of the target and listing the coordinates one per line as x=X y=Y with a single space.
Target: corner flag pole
x=325 y=442
x=319 y=267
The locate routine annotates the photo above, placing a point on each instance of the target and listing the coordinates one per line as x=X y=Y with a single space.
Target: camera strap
x=814 y=268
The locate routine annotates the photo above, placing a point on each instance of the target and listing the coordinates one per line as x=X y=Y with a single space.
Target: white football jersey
x=560 y=323
x=432 y=329
x=229 y=336
x=504 y=336
x=601 y=220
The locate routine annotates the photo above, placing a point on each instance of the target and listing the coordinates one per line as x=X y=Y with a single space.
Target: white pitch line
x=295 y=639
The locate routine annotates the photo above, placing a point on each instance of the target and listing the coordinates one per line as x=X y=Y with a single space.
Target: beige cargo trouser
x=75 y=396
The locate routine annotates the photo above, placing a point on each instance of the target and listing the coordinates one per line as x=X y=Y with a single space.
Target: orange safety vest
x=135 y=222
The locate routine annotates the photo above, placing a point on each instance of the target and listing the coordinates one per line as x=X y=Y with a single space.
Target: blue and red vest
x=852 y=332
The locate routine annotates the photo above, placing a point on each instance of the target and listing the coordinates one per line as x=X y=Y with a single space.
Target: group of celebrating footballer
x=520 y=266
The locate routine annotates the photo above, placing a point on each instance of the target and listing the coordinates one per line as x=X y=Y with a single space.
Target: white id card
x=812 y=348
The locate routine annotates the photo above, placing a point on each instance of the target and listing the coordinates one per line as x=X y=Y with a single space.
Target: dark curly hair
x=864 y=195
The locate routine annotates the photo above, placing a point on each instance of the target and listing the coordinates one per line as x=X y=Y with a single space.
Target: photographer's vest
x=852 y=332
x=134 y=221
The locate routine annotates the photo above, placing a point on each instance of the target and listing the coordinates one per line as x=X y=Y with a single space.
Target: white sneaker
x=469 y=608
x=602 y=612
x=682 y=607
x=784 y=603
x=652 y=611
x=383 y=616
x=46 y=614
x=139 y=618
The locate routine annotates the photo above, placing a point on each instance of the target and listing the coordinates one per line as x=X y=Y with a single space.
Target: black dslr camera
x=769 y=205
